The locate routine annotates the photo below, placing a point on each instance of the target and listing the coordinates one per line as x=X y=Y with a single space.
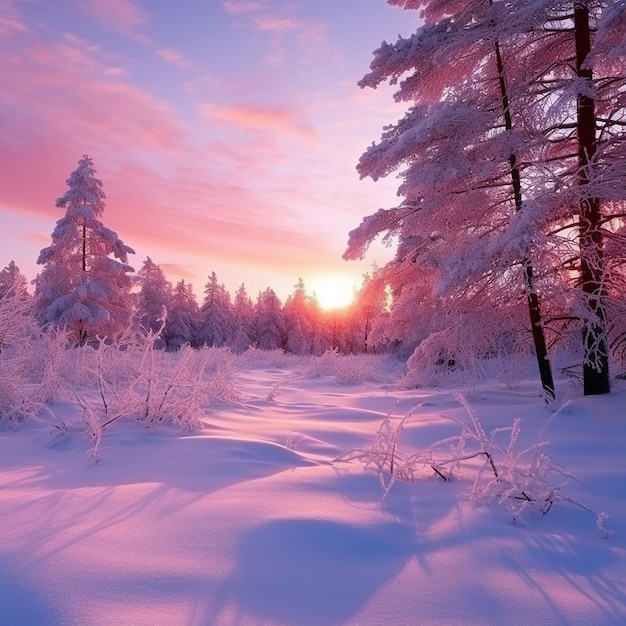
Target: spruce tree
x=85 y=283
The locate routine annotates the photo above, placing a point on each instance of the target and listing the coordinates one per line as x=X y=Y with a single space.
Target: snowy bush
x=256 y=358
x=353 y=368
x=110 y=381
x=19 y=338
x=520 y=479
x=158 y=388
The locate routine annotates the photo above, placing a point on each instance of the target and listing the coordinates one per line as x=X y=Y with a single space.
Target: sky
x=226 y=132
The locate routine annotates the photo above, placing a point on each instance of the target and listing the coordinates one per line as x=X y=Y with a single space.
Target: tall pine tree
x=85 y=283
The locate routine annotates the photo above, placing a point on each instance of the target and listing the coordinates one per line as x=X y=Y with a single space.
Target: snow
x=250 y=519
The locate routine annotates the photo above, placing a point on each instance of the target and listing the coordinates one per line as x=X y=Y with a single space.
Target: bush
x=520 y=480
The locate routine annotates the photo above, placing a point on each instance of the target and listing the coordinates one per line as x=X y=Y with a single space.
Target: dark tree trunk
x=596 y=378
x=543 y=362
x=84 y=248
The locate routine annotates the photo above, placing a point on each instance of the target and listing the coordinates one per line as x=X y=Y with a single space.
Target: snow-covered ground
x=249 y=520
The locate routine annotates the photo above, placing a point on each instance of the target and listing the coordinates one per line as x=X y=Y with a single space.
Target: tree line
x=510 y=231
x=88 y=288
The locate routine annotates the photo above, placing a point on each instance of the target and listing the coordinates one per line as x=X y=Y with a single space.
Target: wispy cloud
x=237 y=183
x=175 y=269
x=274 y=24
x=174 y=57
x=279 y=22
x=241 y=7
x=10 y=20
x=122 y=16
x=261 y=118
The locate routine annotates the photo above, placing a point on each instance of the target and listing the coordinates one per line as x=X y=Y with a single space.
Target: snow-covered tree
x=12 y=281
x=216 y=319
x=82 y=287
x=369 y=311
x=16 y=320
x=579 y=96
x=303 y=322
x=269 y=323
x=243 y=321
x=182 y=318
x=493 y=89
x=153 y=298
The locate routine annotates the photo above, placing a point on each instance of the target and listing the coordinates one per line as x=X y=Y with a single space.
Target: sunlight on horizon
x=333 y=291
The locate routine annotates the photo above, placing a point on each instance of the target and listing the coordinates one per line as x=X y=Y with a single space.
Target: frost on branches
x=12 y=282
x=84 y=286
x=512 y=161
x=182 y=318
x=216 y=317
x=153 y=298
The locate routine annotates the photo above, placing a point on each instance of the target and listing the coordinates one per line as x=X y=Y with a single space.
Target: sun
x=334 y=291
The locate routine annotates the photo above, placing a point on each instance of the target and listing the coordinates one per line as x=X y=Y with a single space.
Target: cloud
x=261 y=118
x=175 y=269
x=65 y=101
x=241 y=7
x=122 y=16
x=10 y=20
x=238 y=192
x=273 y=24
x=281 y=23
x=174 y=57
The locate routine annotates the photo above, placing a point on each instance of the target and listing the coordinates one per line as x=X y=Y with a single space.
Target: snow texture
x=249 y=519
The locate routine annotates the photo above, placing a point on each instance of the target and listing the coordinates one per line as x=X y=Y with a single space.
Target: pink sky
x=226 y=133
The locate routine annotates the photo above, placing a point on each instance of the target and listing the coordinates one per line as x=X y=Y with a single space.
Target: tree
x=12 y=281
x=153 y=298
x=243 y=321
x=303 y=322
x=490 y=89
x=16 y=320
x=370 y=311
x=579 y=97
x=269 y=323
x=81 y=287
x=216 y=321
x=182 y=318
x=598 y=111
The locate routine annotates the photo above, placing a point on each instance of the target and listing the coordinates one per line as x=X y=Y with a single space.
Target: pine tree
x=182 y=319
x=578 y=85
x=269 y=322
x=369 y=311
x=216 y=320
x=153 y=298
x=243 y=321
x=81 y=287
x=12 y=281
x=302 y=322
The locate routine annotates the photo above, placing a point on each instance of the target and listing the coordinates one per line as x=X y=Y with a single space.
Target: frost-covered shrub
x=470 y=349
x=520 y=479
x=256 y=358
x=353 y=368
x=20 y=337
x=160 y=388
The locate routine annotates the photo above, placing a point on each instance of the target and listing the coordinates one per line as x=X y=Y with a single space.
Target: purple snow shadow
x=304 y=571
x=21 y=605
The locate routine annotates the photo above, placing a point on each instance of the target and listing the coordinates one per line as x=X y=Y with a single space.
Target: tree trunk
x=596 y=364
x=84 y=259
x=543 y=362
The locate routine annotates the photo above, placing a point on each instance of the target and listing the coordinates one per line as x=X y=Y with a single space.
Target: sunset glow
x=333 y=291
x=226 y=135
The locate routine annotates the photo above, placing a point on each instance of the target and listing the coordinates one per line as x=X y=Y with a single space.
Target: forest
x=447 y=449
x=509 y=233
